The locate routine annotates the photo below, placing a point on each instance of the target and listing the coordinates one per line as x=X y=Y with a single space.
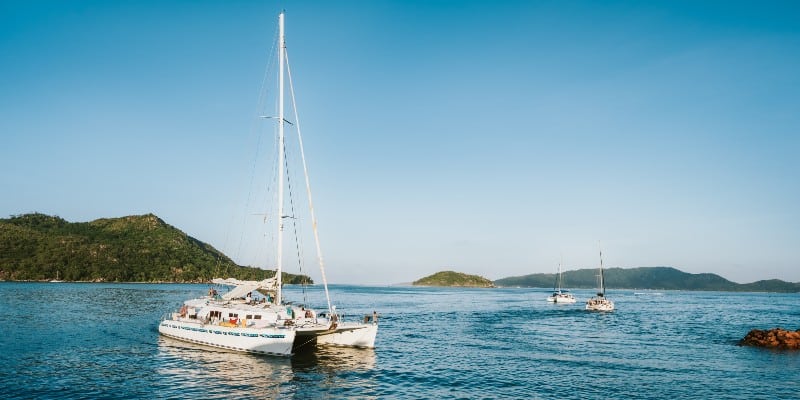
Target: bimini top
x=242 y=288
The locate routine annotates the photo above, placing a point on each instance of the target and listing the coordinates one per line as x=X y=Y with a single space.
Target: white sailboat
x=252 y=316
x=560 y=295
x=600 y=302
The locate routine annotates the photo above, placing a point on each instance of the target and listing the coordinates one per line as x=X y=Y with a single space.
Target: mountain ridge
x=134 y=248
x=659 y=278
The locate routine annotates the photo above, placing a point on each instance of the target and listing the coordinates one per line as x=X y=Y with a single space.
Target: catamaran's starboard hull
x=272 y=341
x=561 y=299
x=345 y=335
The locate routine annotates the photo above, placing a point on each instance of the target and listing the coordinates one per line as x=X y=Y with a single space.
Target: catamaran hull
x=356 y=335
x=554 y=299
x=247 y=340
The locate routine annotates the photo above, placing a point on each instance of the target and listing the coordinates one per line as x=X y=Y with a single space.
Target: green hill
x=140 y=248
x=451 y=278
x=660 y=278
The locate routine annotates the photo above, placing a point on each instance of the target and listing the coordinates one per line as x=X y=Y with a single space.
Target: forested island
x=143 y=248
x=659 y=278
x=139 y=248
x=455 y=279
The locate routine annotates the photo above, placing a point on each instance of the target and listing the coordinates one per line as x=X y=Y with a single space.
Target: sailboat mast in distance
x=602 y=283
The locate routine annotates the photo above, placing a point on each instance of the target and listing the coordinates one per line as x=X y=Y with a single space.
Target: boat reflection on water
x=334 y=359
x=340 y=372
x=217 y=373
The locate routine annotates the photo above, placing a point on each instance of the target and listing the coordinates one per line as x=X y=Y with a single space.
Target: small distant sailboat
x=600 y=302
x=560 y=295
x=56 y=280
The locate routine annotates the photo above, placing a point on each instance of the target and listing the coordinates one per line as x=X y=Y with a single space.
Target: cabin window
x=233 y=315
x=249 y=316
x=215 y=314
x=257 y=317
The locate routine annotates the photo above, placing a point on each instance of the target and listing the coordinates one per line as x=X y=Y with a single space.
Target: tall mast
x=602 y=284
x=281 y=150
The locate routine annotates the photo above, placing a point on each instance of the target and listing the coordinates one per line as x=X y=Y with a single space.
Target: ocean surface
x=84 y=340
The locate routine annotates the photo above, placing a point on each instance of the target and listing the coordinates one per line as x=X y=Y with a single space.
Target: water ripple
x=100 y=341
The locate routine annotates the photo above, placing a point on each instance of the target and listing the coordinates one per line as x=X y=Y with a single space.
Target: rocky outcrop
x=776 y=338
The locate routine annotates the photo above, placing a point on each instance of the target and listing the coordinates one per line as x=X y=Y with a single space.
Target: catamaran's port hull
x=275 y=341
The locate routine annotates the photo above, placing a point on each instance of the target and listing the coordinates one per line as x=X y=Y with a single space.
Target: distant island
x=138 y=248
x=658 y=278
x=454 y=279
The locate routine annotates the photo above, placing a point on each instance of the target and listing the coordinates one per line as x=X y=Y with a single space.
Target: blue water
x=74 y=340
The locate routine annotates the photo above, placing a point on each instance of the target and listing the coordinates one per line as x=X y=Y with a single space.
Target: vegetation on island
x=658 y=278
x=139 y=248
x=454 y=279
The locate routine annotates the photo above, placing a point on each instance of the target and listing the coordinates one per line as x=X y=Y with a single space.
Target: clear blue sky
x=489 y=137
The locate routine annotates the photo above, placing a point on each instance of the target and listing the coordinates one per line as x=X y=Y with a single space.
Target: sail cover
x=242 y=288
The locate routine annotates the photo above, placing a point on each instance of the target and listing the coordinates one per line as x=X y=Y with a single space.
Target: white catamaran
x=253 y=317
x=560 y=295
x=600 y=302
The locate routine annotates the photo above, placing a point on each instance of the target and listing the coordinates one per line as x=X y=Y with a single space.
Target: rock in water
x=776 y=338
